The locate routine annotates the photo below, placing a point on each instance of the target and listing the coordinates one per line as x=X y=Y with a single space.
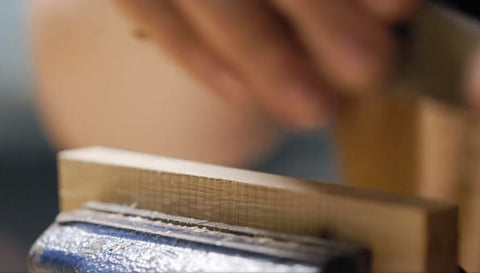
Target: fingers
x=472 y=81
x=161 y=22
x=242 y=48
x=248 y=35
x=353 y=50
x=391 y=10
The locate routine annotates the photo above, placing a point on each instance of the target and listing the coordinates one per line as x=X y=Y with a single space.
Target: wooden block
x=405 y=234
x=415 y=145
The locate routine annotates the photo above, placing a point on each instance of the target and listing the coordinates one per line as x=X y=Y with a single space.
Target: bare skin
x=101 y=82
x=292 y=57
x=108 y=79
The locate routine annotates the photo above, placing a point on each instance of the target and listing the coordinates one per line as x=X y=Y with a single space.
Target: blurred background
x=102 y=86
x=28 y=182
x=28 y=199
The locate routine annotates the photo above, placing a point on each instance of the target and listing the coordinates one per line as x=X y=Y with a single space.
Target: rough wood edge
x=399 y=229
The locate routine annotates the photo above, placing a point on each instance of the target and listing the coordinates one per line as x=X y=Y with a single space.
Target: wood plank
x=406 y=234
x=418 y=145
x=377 y=142
x=450 y=160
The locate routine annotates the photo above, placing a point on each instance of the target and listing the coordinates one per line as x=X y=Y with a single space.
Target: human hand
x=291 y=56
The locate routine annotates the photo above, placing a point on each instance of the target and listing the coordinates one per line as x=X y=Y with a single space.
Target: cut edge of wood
x=405 y=233
x=123 y=158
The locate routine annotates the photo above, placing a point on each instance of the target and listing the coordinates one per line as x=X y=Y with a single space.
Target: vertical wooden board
x=377 y=141
x=422 y=147
x=397 y=229
x=449 y=155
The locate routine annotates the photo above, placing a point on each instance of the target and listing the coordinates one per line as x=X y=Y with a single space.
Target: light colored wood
x=419 y=145
x=450 y=165
x=405 y=234
x=377 y=141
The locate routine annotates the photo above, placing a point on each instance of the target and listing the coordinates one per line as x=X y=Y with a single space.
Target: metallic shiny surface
x=85 y=248
x=104 y=237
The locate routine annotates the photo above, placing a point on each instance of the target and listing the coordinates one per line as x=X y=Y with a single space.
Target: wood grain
x=405 y=234
x=377 y=141
x=450 y=160
x=419 y=145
